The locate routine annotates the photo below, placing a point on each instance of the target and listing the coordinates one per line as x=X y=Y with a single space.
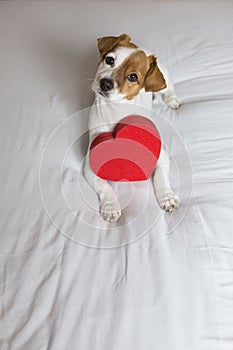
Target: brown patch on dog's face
x=109 y=43
x=138 y=64
x=136 y=72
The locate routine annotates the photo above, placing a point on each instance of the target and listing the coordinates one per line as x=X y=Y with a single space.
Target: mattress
x=154 y=280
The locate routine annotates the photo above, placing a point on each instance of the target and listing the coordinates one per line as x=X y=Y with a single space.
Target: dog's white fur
x=105 y=114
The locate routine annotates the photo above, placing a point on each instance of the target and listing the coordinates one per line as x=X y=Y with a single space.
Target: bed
x=154 y=280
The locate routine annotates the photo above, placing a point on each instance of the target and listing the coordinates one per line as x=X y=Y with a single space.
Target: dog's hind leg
x=109 y=205
x=167 y=199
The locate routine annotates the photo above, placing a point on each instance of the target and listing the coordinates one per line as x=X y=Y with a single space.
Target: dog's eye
x=132 y=77
x=109 y=60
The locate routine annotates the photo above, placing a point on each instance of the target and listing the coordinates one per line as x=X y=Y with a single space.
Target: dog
x=127 y=73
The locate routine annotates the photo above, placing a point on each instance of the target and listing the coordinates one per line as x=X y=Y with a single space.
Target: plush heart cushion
x=129 y=153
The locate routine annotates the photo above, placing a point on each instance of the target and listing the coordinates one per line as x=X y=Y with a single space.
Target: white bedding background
x=69 y=280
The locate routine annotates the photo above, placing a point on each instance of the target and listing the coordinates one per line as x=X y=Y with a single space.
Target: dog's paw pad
x=111 y=217
x=110 y=211
x=169 y=202
x=172 y=101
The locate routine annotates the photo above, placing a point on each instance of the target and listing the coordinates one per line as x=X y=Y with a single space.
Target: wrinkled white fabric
x=68 y=290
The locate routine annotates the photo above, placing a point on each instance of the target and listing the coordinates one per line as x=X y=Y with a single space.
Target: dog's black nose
x=106 y=84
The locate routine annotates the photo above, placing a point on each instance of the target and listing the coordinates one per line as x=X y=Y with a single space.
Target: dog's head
x=124 y=69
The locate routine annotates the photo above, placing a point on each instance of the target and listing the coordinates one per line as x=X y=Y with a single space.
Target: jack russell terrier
x=127 y=74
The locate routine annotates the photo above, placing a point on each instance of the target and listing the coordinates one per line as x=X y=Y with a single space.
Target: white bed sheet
x=172 y=288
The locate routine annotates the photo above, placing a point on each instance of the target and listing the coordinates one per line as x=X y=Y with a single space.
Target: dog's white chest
x=105 y=115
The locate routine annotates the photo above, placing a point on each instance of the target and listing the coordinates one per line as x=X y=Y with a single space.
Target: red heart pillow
x=129 y=153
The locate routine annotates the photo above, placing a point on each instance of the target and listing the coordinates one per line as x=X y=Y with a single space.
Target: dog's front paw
x=172 y=101
x=169 y=202
x=110 y=210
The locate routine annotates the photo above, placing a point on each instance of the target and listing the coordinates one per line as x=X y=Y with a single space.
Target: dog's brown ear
x=154 y=80
x=108 y=43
